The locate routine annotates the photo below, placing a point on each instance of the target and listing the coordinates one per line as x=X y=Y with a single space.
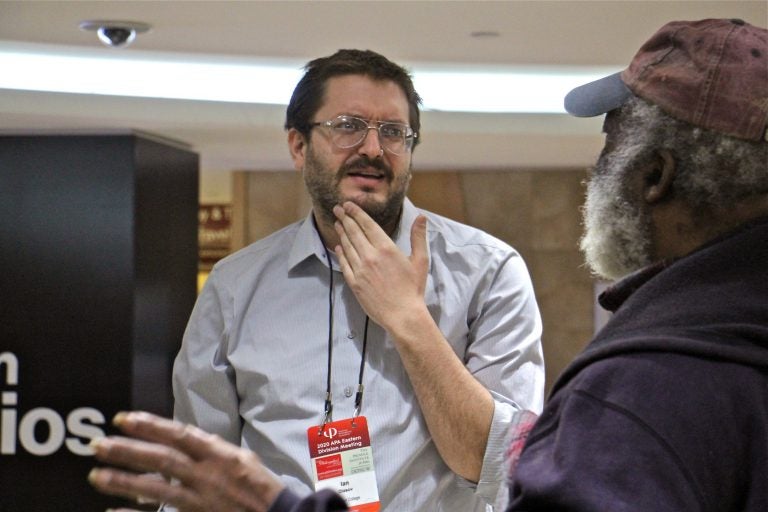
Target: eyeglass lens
x=347 y=132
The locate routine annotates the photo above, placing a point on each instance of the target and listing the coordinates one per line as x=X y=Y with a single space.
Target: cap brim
x=598 y=97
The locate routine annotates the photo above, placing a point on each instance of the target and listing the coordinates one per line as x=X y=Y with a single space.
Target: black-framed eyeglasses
x=348 y=132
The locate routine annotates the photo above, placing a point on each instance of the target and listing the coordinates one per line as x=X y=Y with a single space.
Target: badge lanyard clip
x=358 y=400
x=328 y=411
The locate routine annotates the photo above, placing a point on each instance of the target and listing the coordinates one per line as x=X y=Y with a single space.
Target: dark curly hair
x=308 y=94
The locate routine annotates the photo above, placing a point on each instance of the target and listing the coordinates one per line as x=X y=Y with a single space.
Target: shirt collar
x=615 y=295
x=308 y=241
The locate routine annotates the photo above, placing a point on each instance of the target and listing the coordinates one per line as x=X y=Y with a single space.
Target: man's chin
x=605 y=263
x=605 y=271
x=600 y=256
x=368 y=201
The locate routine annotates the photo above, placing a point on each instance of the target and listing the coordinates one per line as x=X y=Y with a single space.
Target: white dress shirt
x=253 y=363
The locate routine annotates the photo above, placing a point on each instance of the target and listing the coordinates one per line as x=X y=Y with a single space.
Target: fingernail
x=100 y=445
x=119 y=419
x=96 y=476
x=124 y=419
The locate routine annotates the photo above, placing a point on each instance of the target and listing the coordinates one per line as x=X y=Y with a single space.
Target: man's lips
x=366 y=181
x=367 y=173
x=366 y=169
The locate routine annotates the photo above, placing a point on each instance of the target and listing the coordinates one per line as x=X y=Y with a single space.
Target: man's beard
x=324 y=189
x=617 y=225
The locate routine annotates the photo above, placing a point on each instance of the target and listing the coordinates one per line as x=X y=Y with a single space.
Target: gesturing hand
x=387 y=283
x=202 y=471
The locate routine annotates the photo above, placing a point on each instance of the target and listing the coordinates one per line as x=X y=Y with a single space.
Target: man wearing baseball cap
x=667 y=408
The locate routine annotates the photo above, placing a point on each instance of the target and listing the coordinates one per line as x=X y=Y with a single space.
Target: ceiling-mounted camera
x=116 y=34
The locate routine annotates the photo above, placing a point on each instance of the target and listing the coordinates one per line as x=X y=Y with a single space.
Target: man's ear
x=297 y=145
x=658 y=176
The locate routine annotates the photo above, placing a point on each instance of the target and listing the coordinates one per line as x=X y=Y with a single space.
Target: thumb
x=419 y=244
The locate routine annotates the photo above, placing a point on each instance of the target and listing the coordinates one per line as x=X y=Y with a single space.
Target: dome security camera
x=115 y=34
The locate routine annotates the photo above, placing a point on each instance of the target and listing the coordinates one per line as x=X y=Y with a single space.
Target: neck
x=326 y=230
x=685 y=229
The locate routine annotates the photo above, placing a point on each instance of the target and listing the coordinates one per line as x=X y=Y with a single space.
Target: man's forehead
x=349 y=93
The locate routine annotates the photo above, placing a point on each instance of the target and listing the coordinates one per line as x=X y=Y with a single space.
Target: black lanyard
x=328 y=413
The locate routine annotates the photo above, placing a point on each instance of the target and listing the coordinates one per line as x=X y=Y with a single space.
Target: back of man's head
x=700 y=90
x=695 y=93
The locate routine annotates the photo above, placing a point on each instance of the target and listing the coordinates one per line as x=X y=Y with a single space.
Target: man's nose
x=371 y=145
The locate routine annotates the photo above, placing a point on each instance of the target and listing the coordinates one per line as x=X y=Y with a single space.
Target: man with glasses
x=368 y=315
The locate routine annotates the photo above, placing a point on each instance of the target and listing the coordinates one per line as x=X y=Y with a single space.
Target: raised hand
x=201 y=471
x=388 y=284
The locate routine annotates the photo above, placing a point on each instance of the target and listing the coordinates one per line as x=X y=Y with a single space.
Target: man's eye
x=348 y=126
x=390 y=130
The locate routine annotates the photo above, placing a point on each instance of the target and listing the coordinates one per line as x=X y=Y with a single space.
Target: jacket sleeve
x=321 y=501
x=589 y=454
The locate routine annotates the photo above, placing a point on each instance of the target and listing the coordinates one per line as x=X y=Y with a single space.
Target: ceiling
x=230 y=136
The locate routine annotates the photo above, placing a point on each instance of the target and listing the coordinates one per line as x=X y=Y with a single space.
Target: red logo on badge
x=329 y=467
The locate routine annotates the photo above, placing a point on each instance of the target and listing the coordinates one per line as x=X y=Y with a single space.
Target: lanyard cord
x=359 y=395
x=328 y=395
x=328 y=412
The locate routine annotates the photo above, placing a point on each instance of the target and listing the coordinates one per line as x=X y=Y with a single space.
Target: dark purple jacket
x=667 y=408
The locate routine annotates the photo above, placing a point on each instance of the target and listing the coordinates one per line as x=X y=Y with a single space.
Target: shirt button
x=348 y=391
x=351 y=335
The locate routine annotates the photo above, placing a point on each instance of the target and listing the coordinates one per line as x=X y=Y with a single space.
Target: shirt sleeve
x=505 y=355
x=203 y=379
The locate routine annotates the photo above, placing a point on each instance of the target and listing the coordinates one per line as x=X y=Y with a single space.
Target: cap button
x=737 y=21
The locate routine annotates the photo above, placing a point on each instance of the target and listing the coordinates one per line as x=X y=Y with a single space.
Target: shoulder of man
x=259 y=252
x=458 y=234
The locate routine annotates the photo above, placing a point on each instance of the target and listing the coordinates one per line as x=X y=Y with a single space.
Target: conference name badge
x=342 y=460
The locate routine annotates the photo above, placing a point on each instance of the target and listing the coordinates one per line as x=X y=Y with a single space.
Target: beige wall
x=536 y=211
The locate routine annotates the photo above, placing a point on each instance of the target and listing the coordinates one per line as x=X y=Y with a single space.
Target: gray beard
x=617 y=227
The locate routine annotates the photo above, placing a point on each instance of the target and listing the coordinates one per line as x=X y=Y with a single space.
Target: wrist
x=411 y=325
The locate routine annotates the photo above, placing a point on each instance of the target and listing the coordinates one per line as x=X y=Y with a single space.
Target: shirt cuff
x=509 y=428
